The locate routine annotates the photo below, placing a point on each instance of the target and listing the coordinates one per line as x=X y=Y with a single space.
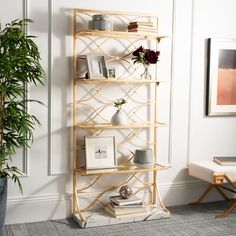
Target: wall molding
x=183 y=185
x=68 y=196
x=42 y=207
x=25 y=151
x=190 y=86
x=38 y=198
x=50 y=77
x=51 y=92
x=170 y=155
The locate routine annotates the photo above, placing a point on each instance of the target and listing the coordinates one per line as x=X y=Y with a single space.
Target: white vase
x=119 y=118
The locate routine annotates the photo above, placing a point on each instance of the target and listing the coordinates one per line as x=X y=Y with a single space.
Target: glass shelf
x=110 y=126
x=121 y=170
x=133 y=81
x=120 y=34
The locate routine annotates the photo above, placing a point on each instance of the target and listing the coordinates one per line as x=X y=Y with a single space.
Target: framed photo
x=221 y=86
x=96 y=66
x=100 y=152
x=111 y=73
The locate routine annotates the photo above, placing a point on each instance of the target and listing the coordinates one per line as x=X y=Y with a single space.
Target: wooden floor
x=186 y=220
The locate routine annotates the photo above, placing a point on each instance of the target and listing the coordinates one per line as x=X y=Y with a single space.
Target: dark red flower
x=150 y=56
x=145 y=56
x=137 y=51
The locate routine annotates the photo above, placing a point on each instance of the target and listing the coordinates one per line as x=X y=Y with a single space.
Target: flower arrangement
x=145 y=57
x=119 y=102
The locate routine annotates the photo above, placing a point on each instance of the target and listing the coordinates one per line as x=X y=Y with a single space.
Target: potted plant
x=19 y=66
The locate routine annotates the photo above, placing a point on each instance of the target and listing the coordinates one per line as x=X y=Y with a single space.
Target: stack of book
x=141 y=26
x=119 y=207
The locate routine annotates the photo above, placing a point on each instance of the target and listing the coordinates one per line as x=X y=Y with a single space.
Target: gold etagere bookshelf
x=141 y=131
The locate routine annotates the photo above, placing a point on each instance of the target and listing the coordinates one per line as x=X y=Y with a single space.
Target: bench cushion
x=206 y=170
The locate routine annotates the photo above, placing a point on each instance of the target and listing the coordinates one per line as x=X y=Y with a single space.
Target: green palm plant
x=19 y=67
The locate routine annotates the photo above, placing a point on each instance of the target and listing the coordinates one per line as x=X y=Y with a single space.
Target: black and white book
x=225 y=161
x=126 y=214
x=125 y=210
x=118 y=200
x=129 y=206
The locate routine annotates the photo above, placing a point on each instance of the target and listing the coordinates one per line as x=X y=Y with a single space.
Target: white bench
x=216 y=175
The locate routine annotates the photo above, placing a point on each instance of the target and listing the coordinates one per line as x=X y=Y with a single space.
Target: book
x=141 y=31
x=135 y=205
x=132 y=214
x=125 y=210
x=225 y=161
x=141 y=27
x=118 y=200
x=144 y=23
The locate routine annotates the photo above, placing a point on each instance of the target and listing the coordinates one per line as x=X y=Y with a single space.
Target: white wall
x=193 y=136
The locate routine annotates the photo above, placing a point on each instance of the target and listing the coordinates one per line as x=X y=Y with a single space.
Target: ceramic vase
x=144 y=157
x=119 y=118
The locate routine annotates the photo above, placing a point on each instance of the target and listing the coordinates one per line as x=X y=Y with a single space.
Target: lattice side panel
x=117 y=53
x=95 y=191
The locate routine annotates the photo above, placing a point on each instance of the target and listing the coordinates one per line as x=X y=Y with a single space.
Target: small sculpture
x=125 y=191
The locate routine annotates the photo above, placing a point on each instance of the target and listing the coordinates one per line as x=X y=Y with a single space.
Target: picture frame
x=96 y=66
x=221 y=77
x=111 y=73
x=100 y=152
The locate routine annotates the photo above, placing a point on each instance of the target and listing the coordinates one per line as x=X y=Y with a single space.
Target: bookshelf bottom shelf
x=100 y=217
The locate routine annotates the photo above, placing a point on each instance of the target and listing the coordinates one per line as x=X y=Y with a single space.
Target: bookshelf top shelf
x=120 y=34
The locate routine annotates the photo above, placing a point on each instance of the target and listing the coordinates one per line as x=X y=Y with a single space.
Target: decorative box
x=100 y=22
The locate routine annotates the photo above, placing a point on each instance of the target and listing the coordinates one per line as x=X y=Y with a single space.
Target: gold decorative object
x=125 y=191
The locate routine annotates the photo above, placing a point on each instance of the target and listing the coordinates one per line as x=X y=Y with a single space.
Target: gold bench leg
x=218 y=180
x=199 y=200
x=221 y=192
x=227 y=211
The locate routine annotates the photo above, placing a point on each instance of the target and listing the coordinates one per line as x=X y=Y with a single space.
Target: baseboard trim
x=37 y=199
x=183 y=185
x=57 y=206
x=38 y=208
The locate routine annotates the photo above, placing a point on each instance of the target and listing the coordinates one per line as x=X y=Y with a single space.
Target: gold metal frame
x=131 y=173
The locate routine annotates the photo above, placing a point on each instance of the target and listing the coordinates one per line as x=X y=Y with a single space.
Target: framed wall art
x=100 y=152
x=96 y=66
x=221 y=86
